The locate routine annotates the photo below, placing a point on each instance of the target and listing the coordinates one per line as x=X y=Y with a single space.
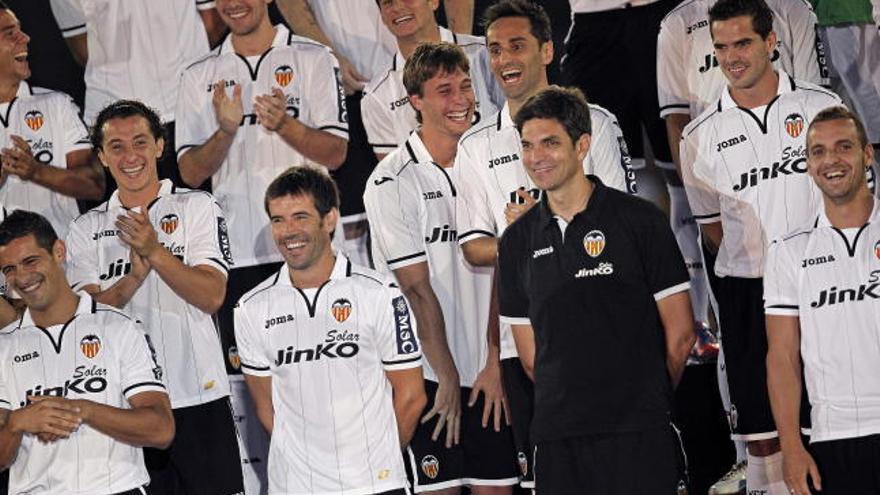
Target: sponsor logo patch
x=223 y=240
x=406 y=337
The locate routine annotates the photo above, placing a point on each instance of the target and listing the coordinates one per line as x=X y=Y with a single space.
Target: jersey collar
x=282 y=34
x=504 y=119
x=86 y=305
x=548 y=218
x=416 y=149
x=341 y=270
x=445 y=35
x=786 y=85
x=24 y=90
x=166 y=187
x=823 y=221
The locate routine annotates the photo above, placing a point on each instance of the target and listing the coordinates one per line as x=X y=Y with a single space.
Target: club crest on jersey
x=284 y=75
x=594 y=243
x=233 y=357
x=430 y=466
x=794 y=125
x=877 y=249
x=523 y=462
x=169 y=223
x=90 y=346
x=34 y=119
x=341 y=309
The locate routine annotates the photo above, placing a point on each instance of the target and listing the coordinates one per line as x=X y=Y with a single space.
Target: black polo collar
x=547 y=218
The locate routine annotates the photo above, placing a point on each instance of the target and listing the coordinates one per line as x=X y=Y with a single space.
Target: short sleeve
x=82 y=256
x=809 y=62
x=195 y=121
x=140 y=370
x=513 y=302
x=473 y=217
x=702 y=196
x=780 y=282
x=5 y=398
x=207 y=235
x=254 y=360
x=205 y=4
x=378 y=124
x=608 y=157
x=76 y=137
x=672 y=89
x=396 y=333
x=662 y=261
x=329 y=113
x=69 y=16
x=392 y=209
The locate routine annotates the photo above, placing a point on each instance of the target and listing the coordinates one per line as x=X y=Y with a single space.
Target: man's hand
x=447 y=408
x=48 y=417
x=228 y=111
x=495 y=403
x=272 y=110
x=140 y=266
x=18 y=159
x=513 y=210
x=797 y=464
x=136 y=231
x=352 y=80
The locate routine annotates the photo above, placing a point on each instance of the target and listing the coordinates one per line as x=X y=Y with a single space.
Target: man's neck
x=762 y=93
x=315 y=275
x=145 y=196
x=61 y=311
x=514 y=104
x=441 y=146
x=571 y=199
x=8 y=89
x=852 y=213
x=255 y=43
x=409 y=44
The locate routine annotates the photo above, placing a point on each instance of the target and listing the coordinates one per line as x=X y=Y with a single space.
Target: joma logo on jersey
x=117 y=268
x=331 y=350
x=502 y=160
x=104 y=233
x=278 y=320
x=786 y=167
x=230 y=83
x=698 y=25
x=727 y=143
x=23 y=358
x=406 y=337
x=442 y=234
x=834 y=296
x=818 y=260
x=399 y=103
x=432 y=195
x=542 y=252
x=34 y=119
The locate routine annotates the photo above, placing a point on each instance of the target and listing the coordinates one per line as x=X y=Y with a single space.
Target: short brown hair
x=297 y=181
x=568 y=106
x=429 y=60
x=839 y=113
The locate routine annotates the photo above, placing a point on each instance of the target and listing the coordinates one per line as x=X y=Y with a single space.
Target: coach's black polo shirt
x=600 y=363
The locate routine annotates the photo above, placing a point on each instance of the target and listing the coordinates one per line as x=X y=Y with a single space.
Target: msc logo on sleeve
x=406 y=336
x=223 y=240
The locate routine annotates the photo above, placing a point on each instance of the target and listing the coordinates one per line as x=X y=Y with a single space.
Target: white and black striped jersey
x=327 y=350
x=191 y=225
x=308 y=74
x=410 y=202
x=688 y=76
x=388 y=116
x=137 y=48
x=830 y=279
x=49 y=121
x=101 y=355
x=748 y=170
x=490 y=157
x=355 y=28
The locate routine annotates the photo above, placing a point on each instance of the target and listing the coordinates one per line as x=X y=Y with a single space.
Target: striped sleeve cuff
x=336 y=130
x=383 y=148
x=675 y=108
x=410 y=259
x=249 y=369
x=205 y=4
x=473 y=234
x=138 y=388
x=708 y=218
x=782 y=310
x=515 y=320
x=215 y=263
x=403 y=364
x=672 y=290
x=72 y=31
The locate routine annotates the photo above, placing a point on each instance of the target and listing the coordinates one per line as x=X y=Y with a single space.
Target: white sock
x=764 y=476
x=687 y=234
x=742 y=453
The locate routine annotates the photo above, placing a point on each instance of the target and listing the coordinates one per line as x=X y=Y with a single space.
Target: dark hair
x=839 y=113
x=538 y=19
x=429 y=60
x=121 y=109
x=568 y=106
x=757 y=10
x=297 y=181
x=3 y=6
x=22 y=223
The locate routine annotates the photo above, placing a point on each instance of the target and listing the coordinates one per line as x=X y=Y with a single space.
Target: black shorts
x=483 y=456
x=612 y=57
x=645 y=463
x=203 y=459
x=351 y=177
x=850 y=466
x=520 y=393
x=239 y=282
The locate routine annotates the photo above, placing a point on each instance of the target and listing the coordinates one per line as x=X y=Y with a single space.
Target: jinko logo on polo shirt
x=601 y=270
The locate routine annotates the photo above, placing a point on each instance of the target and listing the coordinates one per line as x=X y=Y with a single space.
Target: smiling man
x=79 y=384
x=162 y=253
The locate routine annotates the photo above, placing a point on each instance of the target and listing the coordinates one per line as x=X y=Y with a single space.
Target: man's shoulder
x=813 y=93
x=98 y=214
x=392 y=167
x=384 y=77
x=701 y=123
x=686 y=11
x=206 y=61
x=473 y=138
x=261 y=291
x=370 y=281
x=49 y=97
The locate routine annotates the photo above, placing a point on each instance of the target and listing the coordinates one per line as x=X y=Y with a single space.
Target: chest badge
x=284 y=75
x=169 y=223
x=594 y=243
x=90 y=345
x=341 y=309
x=877 y=250
x=34 y=119
x=794 y=125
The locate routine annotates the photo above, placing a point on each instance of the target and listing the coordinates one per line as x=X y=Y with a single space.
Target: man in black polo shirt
x=595 y=287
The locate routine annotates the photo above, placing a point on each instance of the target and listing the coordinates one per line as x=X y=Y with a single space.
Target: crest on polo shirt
x=169 y=223
x=284 y=75
x=341 y=309
x=430 y=466
x=34 y=119
x=594 y=243
x=794 y=125
x=90 y=345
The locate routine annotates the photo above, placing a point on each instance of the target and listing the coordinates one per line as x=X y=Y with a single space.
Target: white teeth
x=29 y=288
x=238 y=15
x=510 y=74
x=834 y=175
x=457 y=115
x=132 y=171
x=21 y=57
x=401 y=20
x=294 y=245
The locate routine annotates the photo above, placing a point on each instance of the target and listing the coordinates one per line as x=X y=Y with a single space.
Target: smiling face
x=13 y=48
x=836 y=160
x=36 y=274
x=409 y=18
x=301 y=234
x=517 y=57
x=743 y=56
x=130 y=151
x=446 y=103
x=551 y=158
x=243 y=17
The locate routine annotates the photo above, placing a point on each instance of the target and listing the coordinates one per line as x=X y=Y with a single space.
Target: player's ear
x=582 y=146
x=330 y=220
x=160 y=143
x=59 y=251
x=547 y=51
